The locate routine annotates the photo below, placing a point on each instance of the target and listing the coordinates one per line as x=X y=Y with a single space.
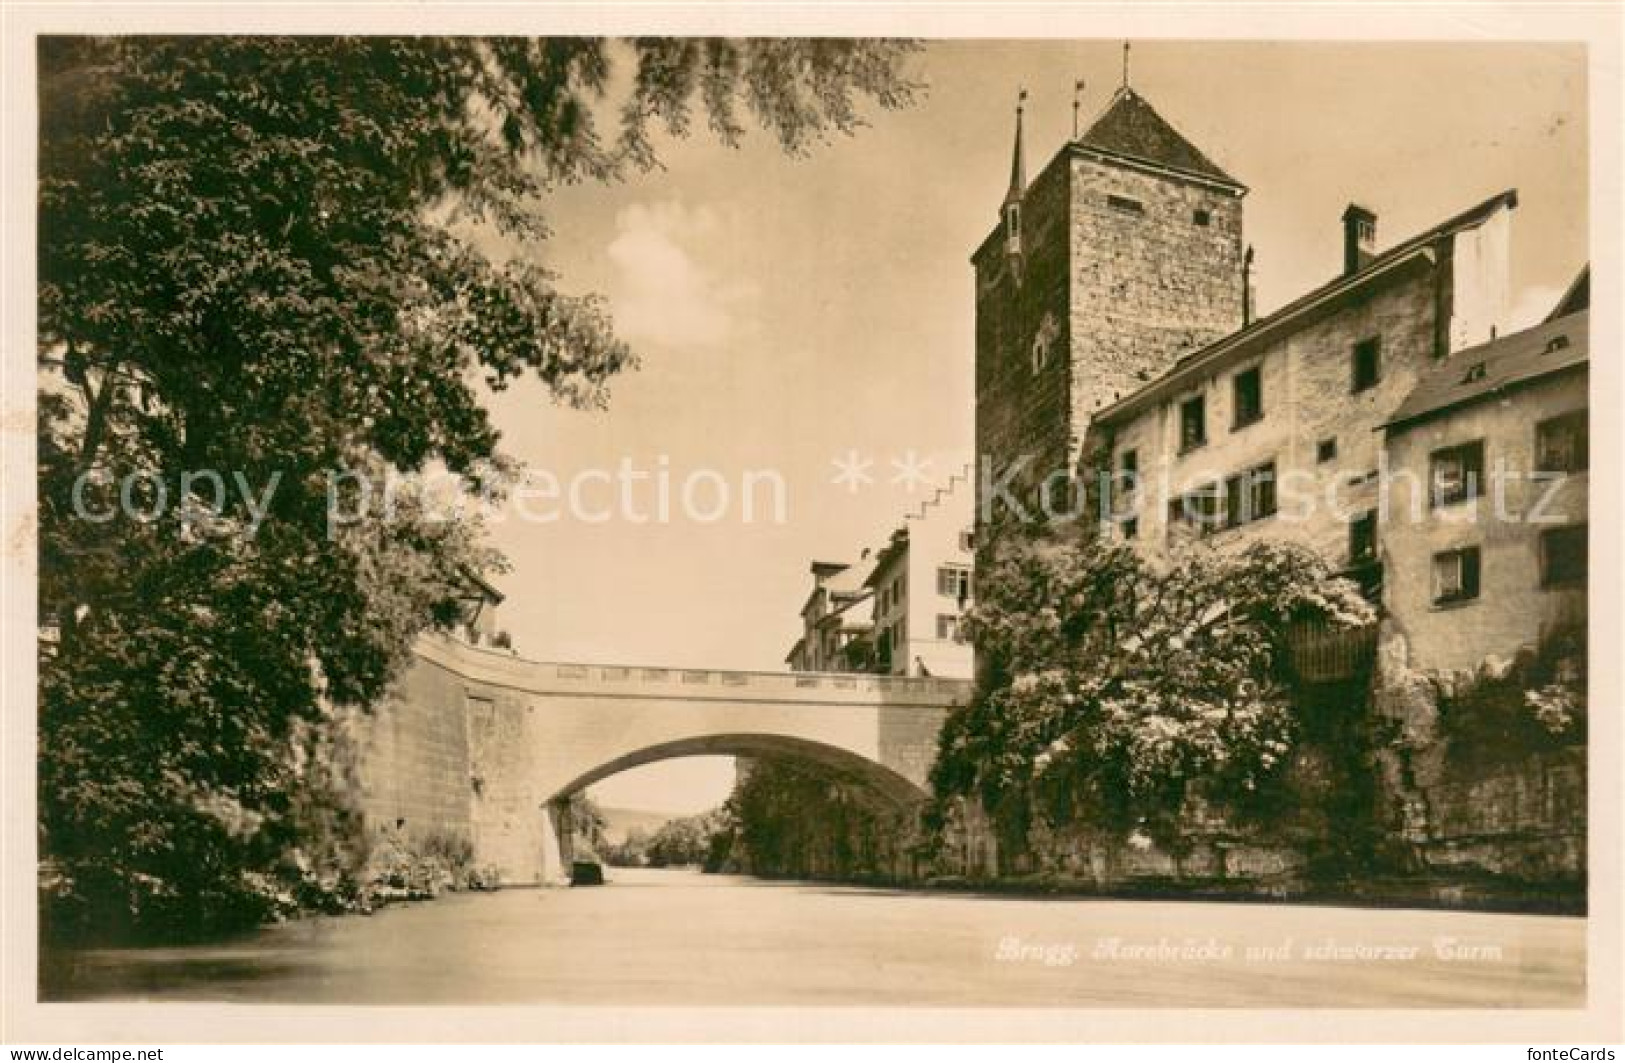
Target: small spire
x=1077 y=105
x=1125 y=64
x=1018 y=160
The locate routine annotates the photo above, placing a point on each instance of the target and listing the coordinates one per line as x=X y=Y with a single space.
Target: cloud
x=665 y=290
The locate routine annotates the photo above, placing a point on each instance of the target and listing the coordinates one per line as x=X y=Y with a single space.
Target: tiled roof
x=1482 y=372
x=1131 y=128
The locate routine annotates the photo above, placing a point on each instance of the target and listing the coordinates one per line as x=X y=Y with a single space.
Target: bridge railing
x=508 y=668
x=786 y=681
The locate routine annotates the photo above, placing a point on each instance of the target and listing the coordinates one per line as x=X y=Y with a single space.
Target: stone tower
x=1123 y=255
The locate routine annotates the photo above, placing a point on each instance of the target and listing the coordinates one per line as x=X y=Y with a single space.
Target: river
x=678 y=937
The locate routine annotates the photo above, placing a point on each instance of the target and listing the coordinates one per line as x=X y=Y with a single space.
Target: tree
x=790 y=819
x=684 y=841
x=259 y=297
x=1116 y=691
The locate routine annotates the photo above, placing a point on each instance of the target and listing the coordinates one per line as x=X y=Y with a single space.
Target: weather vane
x=1125 y=64
x=1077 y=102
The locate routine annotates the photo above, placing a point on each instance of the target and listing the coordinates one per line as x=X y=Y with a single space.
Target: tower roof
x=1130 y=128
x=1018 y=160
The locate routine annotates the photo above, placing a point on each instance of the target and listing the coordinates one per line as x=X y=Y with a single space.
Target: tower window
x=1326 y=450
x=1367 y=364
x=1125 y=205
x=1249 y=397
x=1201 y=217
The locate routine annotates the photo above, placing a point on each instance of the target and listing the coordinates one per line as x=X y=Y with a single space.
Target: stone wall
x=1023 y=341
x=1147 y=287
x=1520 y=815
x=413 y=760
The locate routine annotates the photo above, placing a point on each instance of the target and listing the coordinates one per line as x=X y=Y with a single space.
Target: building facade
x=899 y=609
x=835 y=619
x=1272 y=430
x=1485 y=534
x=922 y=584
x=1118 y=352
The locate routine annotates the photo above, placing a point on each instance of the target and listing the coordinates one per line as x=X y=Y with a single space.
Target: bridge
x=478 y=746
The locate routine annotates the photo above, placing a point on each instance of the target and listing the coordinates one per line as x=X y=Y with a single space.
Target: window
x=1125 y=205
x=1198 y=509
x=1192 y=423
x=1128 y=476
x=1131 y=528
x=1474 y=374
x=1363 y=538
x=1458 y=473
x=1563 y=556
x=1249 y=396
x=1367 y=364
x=1563 y=444
x=1201 y=217
x=1249 y=496
x=1555 y=344
x=947 y=627
x=953 y=582
x=967 y=541
x=1326 y=450
x=1455 y=575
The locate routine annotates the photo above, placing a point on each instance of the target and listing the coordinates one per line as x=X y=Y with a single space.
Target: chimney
x=1359 y=237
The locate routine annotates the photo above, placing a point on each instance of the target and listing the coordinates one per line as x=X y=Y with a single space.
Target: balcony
x=1320 y=653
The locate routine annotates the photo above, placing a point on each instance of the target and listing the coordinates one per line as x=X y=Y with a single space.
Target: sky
x=789 y=312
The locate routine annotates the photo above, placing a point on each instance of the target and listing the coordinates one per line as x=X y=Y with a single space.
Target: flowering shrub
x=1536 y=702
x=1115 y=691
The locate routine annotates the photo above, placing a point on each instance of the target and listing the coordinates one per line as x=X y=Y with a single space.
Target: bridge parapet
x=616 y=680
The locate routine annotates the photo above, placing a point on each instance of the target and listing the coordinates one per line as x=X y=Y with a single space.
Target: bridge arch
x=484 y=745
x=841 y=764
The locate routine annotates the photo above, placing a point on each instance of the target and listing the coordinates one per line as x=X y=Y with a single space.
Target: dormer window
x=1555 y=344
x=1474 y=374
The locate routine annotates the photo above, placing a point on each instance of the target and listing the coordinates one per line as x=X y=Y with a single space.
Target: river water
x=678 y=937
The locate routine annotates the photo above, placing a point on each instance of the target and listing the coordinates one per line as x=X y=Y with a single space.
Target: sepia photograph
x=1075 y=521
